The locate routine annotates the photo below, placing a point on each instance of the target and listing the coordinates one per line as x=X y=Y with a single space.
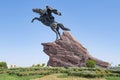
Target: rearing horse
x=47 y=19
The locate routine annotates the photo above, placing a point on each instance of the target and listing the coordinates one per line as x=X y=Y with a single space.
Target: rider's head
x=47 y=6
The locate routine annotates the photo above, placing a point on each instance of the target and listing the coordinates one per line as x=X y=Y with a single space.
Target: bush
x=43 y=65
x=118 y=65
x=91 y=63
x=87 y=74
x=38 y=65
x=3 y=65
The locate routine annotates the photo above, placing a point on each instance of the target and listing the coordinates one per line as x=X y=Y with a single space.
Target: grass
x=65 y=77
x=57 y=73
x=112 y=78
x=60 y=76
x=14 y=77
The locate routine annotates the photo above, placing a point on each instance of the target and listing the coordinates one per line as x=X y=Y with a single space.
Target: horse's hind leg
x=55 y=30
x=59 y=32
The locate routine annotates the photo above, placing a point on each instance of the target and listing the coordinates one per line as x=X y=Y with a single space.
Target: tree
x=33 y=65
x=3 y=65
x=91 y=63
x=119 y=65
x=38 y=65
x=43 y=65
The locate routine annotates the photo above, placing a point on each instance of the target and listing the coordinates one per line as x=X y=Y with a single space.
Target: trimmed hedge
x=72 y=71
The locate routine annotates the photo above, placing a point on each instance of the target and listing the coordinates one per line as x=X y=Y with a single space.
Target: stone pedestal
x=68 y=52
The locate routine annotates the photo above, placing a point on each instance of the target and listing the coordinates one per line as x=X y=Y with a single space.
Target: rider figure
x=47 y=17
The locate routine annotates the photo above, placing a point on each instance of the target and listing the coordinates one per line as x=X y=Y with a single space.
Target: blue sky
x=94 y=23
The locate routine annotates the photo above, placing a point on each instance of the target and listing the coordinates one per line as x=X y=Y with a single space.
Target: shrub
x=91 y=63
x=43 y=65
x=3 y=65
x=38 y=65
x=119 y=65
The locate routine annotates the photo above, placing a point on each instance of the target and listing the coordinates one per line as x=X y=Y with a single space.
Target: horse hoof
x=60 y=39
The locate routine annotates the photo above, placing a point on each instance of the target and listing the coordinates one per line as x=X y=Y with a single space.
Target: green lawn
x=65 y=77
x=51 y=77
x=57 y=73
x=14 y=77
x=112 y=78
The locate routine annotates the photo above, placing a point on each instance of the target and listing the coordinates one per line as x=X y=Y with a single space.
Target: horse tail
x=62 y=27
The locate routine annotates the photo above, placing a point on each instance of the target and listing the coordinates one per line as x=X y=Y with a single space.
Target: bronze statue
x=47 y=19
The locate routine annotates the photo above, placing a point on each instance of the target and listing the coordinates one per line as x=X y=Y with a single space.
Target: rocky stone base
x=68 y=52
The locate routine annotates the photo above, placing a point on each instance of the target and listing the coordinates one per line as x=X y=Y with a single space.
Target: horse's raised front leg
x=36 y=18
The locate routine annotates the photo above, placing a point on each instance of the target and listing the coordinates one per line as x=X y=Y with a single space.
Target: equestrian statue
x=47 y=19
